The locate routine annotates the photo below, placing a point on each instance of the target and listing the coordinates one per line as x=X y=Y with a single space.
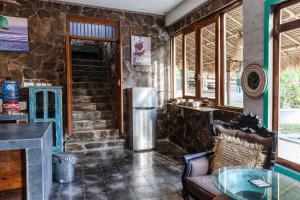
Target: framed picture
x=140 y=50
x=15 y=37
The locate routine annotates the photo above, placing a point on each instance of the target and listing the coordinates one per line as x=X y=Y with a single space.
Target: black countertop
x=22 y=136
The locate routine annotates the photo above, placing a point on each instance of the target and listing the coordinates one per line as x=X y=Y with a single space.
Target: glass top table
x=234 y=182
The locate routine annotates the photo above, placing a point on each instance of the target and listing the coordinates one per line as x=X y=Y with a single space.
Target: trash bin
x=63 y=167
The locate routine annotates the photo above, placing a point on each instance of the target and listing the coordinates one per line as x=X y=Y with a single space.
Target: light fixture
x=4 y=23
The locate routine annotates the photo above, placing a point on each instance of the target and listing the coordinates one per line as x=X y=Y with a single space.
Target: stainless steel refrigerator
x=142 y=118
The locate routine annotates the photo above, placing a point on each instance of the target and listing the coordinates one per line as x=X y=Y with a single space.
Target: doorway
x=95 y=47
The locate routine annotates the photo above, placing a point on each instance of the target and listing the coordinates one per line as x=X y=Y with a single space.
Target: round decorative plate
x=254 y=80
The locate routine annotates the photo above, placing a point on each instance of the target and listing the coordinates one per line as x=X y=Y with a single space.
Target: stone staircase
x=94 y=114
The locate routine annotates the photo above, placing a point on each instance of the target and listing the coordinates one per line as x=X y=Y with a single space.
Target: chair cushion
x=201 y=187
x=232 y=151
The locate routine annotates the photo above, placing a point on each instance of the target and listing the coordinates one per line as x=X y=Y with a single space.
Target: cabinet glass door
x=39 y=105
x=51 y=104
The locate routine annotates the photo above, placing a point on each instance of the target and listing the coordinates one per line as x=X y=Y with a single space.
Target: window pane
x=178 y=72
x=208 y=58
x=39 y=99
x=234 y=58
x=190 y=64
x=51 y=105
x=289 y=93
x=290 y=13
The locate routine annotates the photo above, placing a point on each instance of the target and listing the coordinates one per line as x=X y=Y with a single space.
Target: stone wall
x=45 y=62
x=190 y=128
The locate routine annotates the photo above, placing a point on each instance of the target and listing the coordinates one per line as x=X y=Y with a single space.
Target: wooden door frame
x=118 y=41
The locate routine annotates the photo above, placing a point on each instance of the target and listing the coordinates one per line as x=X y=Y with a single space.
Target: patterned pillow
x=231 y=151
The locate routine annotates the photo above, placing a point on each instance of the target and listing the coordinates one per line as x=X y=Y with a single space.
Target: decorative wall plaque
x=140 y=50
x=254 y=80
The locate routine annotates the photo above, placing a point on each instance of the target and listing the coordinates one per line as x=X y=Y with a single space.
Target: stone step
x=97 y=68
x=95 y=144
x=91 y=85
x=81 y=61
x=92 y=115
x=91 y=125
x=90 y=92
x=94 y=106
x=105 y=134
x=84 y=106
x=92 y=79
x=92 y=99
x=103 y=74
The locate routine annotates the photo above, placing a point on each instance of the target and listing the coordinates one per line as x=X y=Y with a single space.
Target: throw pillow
x=231 y=151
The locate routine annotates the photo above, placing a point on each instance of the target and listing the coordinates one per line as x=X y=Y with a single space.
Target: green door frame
x=267 y=57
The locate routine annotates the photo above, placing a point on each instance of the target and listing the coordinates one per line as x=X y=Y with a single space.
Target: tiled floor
x=121 y=174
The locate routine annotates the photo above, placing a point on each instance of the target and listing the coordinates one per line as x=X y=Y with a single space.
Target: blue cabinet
x=45 y=105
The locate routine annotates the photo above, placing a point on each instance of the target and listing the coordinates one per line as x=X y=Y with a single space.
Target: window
x=286 y=82
x=233 y=94
x=208 y=61
x=190 y=64
x=212 y=59
x=178 y=66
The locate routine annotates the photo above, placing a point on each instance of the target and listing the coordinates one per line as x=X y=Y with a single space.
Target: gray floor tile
x=72 y=192
x=121 y=174
x=138 y=181
x=144 y=192
x=92 y=179
x=114 y=177
x=117 y=186
x=122 y=194
x=109 y=169
x=164 y=189
x=99 y=196
x=95 y=189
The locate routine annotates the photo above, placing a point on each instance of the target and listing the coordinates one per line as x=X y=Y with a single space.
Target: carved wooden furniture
x=196 y=177
x=45 y=105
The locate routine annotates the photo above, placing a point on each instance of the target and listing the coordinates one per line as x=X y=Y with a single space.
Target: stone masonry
x=190 y=128
x=45 y=62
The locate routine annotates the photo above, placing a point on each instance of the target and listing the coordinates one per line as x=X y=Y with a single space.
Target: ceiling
x=158 y=7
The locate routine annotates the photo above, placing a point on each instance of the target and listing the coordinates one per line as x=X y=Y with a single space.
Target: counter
x=36 y=139
x=189 y=127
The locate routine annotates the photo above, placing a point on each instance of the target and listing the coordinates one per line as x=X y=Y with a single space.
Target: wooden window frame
x=277 y=30
x=173 y=64
x=212 y=20
x=220 y=57
x=184 y=34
